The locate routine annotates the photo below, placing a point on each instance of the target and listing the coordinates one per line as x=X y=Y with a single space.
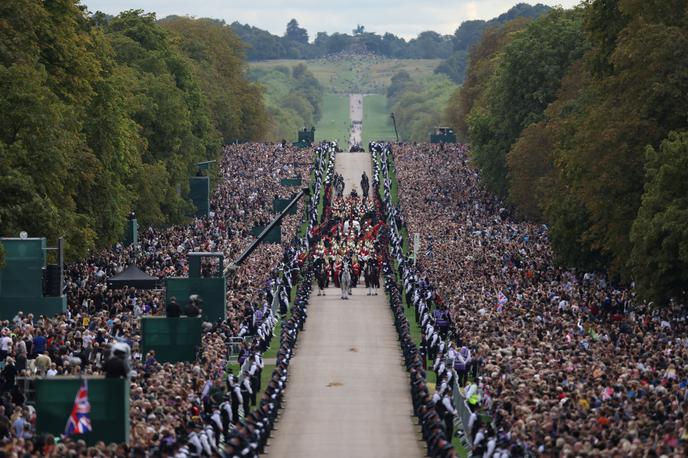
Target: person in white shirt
x=6 y=344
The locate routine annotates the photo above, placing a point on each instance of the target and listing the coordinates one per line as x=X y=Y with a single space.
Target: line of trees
x=107 y=115
x=580 y=120
x=293 y=99
x=470 y=32
x=417 y=104
x=294 y=44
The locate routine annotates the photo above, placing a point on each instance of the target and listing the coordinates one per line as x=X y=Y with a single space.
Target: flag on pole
x=79 y=421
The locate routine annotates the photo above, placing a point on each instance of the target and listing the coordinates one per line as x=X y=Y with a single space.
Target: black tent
x=133 y=276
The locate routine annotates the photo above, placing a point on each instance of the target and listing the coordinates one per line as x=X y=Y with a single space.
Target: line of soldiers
x=433 y=425
x=233 y=430
x=435 y=412
x=251 y=437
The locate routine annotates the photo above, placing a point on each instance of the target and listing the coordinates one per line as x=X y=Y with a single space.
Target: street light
x=394 y=121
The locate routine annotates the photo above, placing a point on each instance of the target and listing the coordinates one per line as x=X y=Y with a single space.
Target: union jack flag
x=79 y=421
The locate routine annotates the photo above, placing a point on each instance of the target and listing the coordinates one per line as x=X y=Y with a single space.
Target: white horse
x=345 y=280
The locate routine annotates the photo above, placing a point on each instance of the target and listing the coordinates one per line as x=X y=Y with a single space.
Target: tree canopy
x=579 y=120
x=293 y=98
x=294 y=44
x=470 y=32
x=417 y=105
x=108 y=115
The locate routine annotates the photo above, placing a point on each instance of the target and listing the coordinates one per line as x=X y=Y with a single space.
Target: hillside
x=354 y=73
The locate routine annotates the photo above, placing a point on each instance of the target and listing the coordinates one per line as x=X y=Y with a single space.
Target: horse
x=345 y=280
x=321 y=276
x=372 y=277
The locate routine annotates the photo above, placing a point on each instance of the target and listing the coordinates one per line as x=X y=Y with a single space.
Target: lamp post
x=394 y=121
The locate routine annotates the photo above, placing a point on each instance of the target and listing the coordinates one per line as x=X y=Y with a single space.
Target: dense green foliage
x=417 y=105
x=262 y=45
x=576 y=119
x=217 y=57
x=470 y=32
x=293 y=98
x=529 y=72
x=660 y=232
x=102 y=116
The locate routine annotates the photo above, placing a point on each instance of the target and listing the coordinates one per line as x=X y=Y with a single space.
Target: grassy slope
x=334 y=123
x=355 y=75
x=377 y=124
x=358 y=75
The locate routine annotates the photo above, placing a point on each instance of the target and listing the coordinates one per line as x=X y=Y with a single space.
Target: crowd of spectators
x=565 y=363
x=436 y=427
x=169 y=402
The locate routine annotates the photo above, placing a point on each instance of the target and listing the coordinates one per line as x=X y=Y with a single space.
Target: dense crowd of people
x=549 y=361
x=561 y=363
x=181 y=407
x=435 y=414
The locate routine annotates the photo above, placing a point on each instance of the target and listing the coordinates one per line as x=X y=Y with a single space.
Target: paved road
x=351 y=166
x=356 y=117
x=348 y=392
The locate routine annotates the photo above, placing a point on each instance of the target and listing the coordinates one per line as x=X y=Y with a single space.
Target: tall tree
x=216 y=54
x=660 y=232
x=296 y=33
x=173 y=112
x=524 y=82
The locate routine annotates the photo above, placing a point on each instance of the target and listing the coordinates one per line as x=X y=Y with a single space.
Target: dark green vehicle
x=306 y=137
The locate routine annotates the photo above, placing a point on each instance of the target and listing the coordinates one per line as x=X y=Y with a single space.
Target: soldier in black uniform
x=365 y=185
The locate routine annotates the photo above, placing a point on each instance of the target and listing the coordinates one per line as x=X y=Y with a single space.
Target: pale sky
x=405 y=18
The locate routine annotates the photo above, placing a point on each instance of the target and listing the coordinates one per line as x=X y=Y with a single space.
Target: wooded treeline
x=293 y=99
x=294 y=44
x=580 y=120
x=103 y=116
x=417 y=104
x=470 y=32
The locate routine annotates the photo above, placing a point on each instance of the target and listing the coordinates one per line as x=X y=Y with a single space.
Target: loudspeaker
x=53 y=284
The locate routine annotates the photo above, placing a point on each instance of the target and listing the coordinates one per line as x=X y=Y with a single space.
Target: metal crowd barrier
x=233 y=348
x=464 y=417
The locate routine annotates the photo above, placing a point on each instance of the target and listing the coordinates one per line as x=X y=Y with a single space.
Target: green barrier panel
x=199 y=192
x=213 y=292
x=46 y=306
x=21 y=280
x=22 y=275
x=274 y=236
x=290 y=181
x=278 y=206
x=109 y=399
x=307 y=136
x=443 y=135
x=172 y=339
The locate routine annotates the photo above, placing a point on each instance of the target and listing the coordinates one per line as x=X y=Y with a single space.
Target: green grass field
x=334 y=123
x=358 y=75
x=377 y=124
